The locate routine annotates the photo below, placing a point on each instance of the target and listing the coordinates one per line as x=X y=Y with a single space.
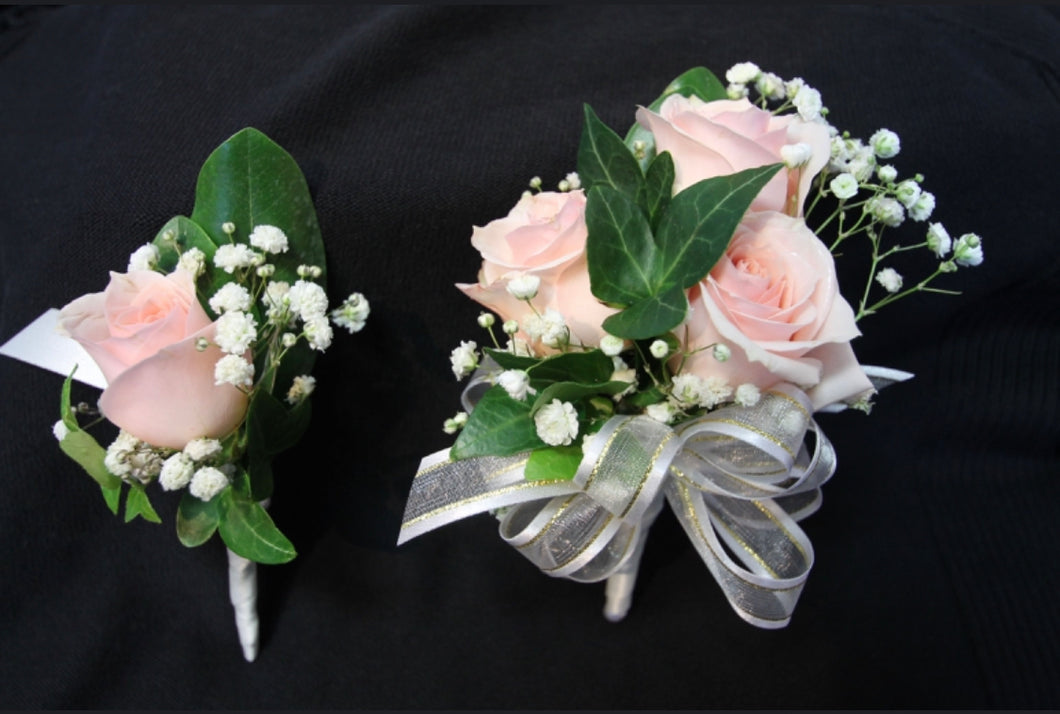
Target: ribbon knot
x=737 y=479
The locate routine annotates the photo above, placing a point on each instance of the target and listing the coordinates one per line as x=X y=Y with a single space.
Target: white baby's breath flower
x=573 y=180
x=715 y=391
x=202 y=449
x=844 y=186
x=144 y=258
x=352 y=314
x=770 y=86
x=938 y=239
x=519 y=347
x=808 y=103
x=301 y=387
x=308 y=300
x=908 y=192
x=887 y=174
x=792 y=86
x=192 y=260
x=277 y=306
x=736 y=91
x=59 y=430
x=659 y=349
x=288 y=339
x=663 y=412
x=176 y=472
x=611 y=345
x=795 y=155
x=886 y=210
x=464 y=358
x=623 y=373
x=557 y=423
x=687 y=389
x=207 y=483
x=747 y=395
x=510 y=327
x=516 y=382
x=890 y=279
x=925 y=204
x=232 y=256
x=234 y=370
x=455 y=424
x=743 y=73
x=548 y=327
x=235 y=332
x=269 y=239
x=117 y=456
x=318 y=332
x=228 y=228
x=231 y=297
x=524 y=287
x=266 y=270
x=968 y=250
x=885 y=143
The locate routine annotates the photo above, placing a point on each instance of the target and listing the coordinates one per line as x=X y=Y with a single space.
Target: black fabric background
x=936 y=577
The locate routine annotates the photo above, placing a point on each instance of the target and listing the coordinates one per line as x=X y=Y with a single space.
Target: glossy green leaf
x=498 y=426
x=248 y=530
x=649 y=317
x=138 y=504
x=573 y=391
x=507 y=360
x=69 y=420
x=658 y=188
x=554 y=462
x=699 y=223
x=112 y=497
x=197 y=519
x=179 y=235
x=620 y=249
x=590 y=366
x=646 y=397
x=604 y=160
x=86 y=451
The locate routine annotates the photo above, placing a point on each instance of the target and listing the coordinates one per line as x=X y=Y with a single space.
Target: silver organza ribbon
x=738 y=479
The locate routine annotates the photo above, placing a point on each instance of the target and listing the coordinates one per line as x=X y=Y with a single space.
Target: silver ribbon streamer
x=738 y=479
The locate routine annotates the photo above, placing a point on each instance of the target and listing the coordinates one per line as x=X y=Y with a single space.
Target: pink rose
x=773 y=299
x=708 y=139
x=544 y=236
x=142 y=331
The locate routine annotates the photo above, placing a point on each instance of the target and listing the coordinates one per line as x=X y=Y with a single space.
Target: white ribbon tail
x=618 y=591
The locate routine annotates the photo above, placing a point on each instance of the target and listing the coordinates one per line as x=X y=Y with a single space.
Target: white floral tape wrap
x=738 y=480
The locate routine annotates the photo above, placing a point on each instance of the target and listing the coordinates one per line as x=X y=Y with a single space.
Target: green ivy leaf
x=604 y=160
x=658 y=188
x=620 y=249
x=573 y=391
x=699 y=223
x=699 y=82
x=498 y=426
x=248 y=530
x=138 y=504
x=590 y=366
x=649 y=317
x=553 y=462
x=197 y=519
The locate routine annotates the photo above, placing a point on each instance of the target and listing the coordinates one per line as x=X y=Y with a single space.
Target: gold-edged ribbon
x=738 y=479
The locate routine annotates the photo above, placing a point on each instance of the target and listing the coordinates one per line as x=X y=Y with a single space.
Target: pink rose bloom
x=708 y=139
x=543 y=235
x=773 y=298
x=141 y=331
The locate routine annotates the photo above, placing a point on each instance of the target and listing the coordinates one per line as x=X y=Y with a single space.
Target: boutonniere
x=207 y=342
x=664 y=326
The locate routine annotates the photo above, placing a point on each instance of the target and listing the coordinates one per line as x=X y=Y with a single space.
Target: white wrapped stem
x=243 y=592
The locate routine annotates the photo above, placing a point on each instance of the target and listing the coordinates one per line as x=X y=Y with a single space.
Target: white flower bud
x=269 y=239
x=524 y=287
x=535 y=182
x=464 y=359
x=887 y=174
x=938 y=239
x=557 y=423
x=486 y=320
x=60 y=430
x=890 y=279
x=207 y=483
x=228 y=227
x=722 y=352
x=266 y=271
x=288 y=339
x=144 y=258
x=770 y=86
x=659 y=349
x=885 y=143
x=747 y=395
x=611 y=345
x=844 y=186
x=968 y=251
x=455 y=424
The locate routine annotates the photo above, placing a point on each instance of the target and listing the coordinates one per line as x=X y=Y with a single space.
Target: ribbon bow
x=737 y=478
